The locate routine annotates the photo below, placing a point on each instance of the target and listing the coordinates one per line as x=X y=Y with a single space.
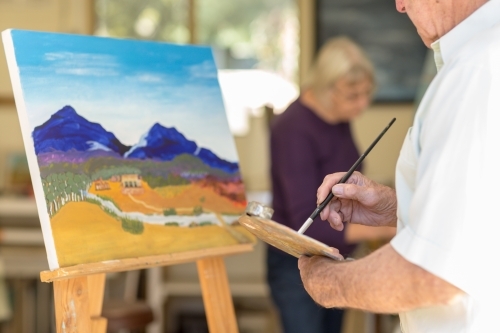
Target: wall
x=253 y=152
x=381 y=162
x=10 y=137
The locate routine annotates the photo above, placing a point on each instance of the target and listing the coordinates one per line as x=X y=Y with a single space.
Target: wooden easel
x=79 y=290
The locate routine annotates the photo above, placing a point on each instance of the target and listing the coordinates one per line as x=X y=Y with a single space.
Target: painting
x=128 y=146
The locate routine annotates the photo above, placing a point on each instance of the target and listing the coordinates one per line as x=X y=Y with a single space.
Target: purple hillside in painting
x=67 y=131
x=164 y=144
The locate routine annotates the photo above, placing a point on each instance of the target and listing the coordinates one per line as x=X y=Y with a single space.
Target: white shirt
x=448 y=179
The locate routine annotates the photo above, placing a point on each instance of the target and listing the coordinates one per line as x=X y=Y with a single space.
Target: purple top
x=304 y=149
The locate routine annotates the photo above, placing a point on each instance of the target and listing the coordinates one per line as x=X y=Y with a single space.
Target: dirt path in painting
x=185 y=210
x=144 y=204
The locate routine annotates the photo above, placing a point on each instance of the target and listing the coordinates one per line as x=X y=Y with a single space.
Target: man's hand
x=315 y=274
x=360 y=200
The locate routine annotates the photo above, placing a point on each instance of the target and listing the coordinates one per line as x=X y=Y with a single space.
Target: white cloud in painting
x=206 y=70
x=82 y=58
x=149 y=78
x=56 y=56
x=82 y=64
x=87 y=71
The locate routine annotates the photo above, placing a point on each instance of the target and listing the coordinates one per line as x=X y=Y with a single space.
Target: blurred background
x=263 y=48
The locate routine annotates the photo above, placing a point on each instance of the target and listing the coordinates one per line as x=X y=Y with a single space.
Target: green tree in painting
x=197 y=210
x=108 y=172
x=170 y=180
x=132 y=226
x=170 y=211
x=61 y=188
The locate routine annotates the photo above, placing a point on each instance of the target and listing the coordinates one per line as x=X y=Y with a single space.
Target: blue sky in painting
x=124 y=85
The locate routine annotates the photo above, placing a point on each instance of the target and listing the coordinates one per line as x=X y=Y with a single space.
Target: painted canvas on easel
x=128 y=146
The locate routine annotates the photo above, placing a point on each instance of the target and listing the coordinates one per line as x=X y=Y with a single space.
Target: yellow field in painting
x=181 y=197
x=83 y=233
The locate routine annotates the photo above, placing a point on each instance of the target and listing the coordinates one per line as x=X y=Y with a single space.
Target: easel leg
x=216 y=296
x=78 y=303
x=96 y=285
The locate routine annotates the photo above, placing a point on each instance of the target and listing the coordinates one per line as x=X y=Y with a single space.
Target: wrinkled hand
x=360 y=200
x=318 y=283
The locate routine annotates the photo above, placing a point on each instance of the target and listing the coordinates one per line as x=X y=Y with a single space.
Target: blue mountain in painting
x=69 y=137
x=162 y=143
x=67 y=131
x=166 y=143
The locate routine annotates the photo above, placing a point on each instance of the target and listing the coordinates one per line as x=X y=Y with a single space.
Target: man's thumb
x=349 y=191
x=338 y=190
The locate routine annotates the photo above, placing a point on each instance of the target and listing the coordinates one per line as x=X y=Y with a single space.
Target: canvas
x=128 y=146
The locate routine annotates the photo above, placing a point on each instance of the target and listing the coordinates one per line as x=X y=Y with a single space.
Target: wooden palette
x=285 y=238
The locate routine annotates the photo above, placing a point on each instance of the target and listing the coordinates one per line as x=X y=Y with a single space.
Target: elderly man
x=441 y=270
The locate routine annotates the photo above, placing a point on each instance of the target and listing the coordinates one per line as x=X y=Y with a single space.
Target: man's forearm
x=383 y=282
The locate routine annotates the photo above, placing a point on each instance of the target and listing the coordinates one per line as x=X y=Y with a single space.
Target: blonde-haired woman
x=311 y=139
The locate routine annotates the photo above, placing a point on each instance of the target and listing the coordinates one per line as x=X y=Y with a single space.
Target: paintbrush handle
x=330 y=196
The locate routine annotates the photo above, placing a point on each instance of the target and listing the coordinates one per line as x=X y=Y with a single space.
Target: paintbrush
x=325 y=202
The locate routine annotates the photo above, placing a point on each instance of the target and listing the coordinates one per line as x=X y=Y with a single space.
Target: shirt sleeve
x=453 y=221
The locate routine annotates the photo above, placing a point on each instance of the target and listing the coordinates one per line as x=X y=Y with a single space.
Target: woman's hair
x=337 y=58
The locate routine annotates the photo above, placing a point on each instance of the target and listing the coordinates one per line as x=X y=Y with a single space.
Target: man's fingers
x=333 y=178
x=345 y=191
x=365 y=195
x=335 y=224
x=327 y=185
x=325 y=213
x=322 y=193
x=330 y=214
x=303 y=261
x=334 y=217
x=336 y=252
x=332 y=206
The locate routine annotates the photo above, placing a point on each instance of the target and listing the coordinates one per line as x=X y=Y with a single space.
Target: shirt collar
x=448 y=45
